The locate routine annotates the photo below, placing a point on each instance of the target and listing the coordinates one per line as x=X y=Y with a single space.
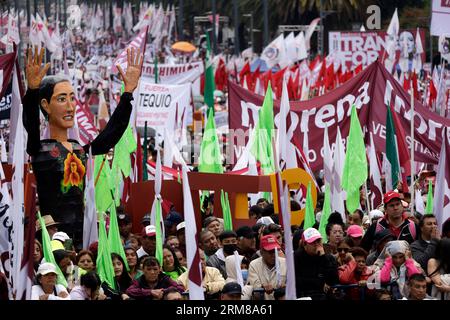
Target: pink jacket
x=388 y=271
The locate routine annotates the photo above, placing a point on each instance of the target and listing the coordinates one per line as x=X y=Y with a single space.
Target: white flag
x=90 y=228
x=275 y=52
x=192 y=254
x=310 y=31
x=337 y=194
x=300 y=45
x=441 y=203
x=17 y=212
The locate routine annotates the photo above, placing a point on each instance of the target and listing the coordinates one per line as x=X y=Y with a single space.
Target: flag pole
x=412 y=149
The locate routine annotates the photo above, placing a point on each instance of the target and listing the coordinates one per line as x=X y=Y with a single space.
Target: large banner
x=173 y=73
x=440 y=17
x=162 y=104
x=370 y=91
x=354 y=48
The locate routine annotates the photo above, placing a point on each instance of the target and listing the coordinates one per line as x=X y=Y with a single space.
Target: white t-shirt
x=36 y=292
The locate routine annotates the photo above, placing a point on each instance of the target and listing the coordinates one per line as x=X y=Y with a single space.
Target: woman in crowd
x=37 y=254
x=355 y=271
x=132 y=260
x=153 y=282
x=121 y=278
x=171 y=265
x=89 y=288
x=398 y=266
x=47 y=289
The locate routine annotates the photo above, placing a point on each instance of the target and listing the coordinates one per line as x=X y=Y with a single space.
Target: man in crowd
x=227 y=244
x=315 y=270
x=148 y=242
x=424 y=248
x=264 y=272
x=208 y=242
x=394 y=219
x=246 y=244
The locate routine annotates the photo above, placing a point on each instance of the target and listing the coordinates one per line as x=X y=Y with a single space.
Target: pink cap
x=355 y=231
x=310 y=235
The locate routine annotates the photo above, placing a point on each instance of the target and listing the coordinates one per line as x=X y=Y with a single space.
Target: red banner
x=370 y=91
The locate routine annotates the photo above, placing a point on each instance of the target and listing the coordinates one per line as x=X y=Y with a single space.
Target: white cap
x=376 y=214
x=181 y=225
x=46 y=268
x=265 y=220
x=61 y=236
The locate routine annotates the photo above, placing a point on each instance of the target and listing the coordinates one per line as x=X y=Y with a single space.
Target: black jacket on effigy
x=312 y=272
x=60 y=174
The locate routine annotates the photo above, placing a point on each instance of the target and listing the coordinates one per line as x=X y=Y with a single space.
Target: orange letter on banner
x=294 y=178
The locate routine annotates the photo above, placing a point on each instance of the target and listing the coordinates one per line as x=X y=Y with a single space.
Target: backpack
x=411 y=226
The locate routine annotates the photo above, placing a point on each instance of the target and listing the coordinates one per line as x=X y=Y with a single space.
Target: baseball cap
x=232 y=288
x=61 y=236
x=245 y=232
x=173 y=218
x=123 y=217
x=311 y=234
x=265 y=220
x=145 y=219
x=375 y=214
x=46 y=268
x=149 y=231
x=388 y=196
x=181 y=225
x=355 y=231
x=269 y=242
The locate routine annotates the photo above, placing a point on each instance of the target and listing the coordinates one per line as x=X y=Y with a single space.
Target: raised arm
x=119 y=120
x=30 y=117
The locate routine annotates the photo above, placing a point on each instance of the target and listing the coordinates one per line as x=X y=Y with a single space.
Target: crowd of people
x=381 y=255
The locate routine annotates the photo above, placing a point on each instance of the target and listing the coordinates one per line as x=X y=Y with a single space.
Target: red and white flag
x=6 y=67
x=17 y=211
x=138 y=42
x=192 y=254
x=442 y=192
x=376 y=191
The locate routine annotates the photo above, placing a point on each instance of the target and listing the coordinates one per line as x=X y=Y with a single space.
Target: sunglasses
x=342 y=249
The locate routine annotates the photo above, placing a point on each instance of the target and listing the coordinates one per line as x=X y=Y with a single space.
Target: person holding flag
x=59 y=162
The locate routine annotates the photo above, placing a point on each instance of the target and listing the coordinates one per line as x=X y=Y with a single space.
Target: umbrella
x=183 y=46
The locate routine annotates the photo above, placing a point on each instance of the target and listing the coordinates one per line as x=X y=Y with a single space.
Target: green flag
x=103 y=191
x=209 y=77
x=159 y=239
x=227 y=220
x=310 y=218
x=326 y=211
x=392 y=148
x=355 y=166
x=429 y=207
x=263 y=133
x=210 y=159
x=48 y=253
x=105 y=267
x=115 y=243
x=122 y=150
